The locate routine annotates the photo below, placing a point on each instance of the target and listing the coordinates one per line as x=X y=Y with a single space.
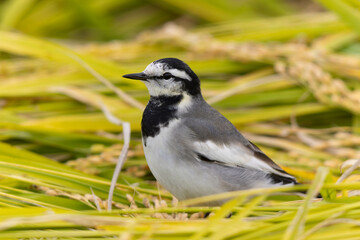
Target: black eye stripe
x=178 y=79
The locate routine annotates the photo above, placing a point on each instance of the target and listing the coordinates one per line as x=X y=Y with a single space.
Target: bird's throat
x=158 y=113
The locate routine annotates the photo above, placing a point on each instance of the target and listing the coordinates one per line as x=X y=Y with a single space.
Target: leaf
x=347 y=12
x=25 y=45
x=13 y=11
x=329 y=194
x=296 y=227
x=79 y=143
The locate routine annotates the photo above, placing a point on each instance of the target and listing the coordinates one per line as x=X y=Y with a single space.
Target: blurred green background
x=285 y=72
x=93 y=20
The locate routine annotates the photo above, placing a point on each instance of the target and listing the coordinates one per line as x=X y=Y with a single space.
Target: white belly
x=184 y=178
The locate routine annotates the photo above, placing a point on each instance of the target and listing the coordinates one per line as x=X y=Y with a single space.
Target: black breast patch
x=158 y=113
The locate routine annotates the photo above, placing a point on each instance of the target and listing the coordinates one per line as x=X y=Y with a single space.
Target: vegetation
x=286 y=73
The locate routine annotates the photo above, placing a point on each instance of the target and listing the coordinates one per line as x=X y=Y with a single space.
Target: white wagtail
x=191 y=149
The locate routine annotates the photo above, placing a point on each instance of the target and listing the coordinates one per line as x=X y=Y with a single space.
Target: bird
x=191 y=149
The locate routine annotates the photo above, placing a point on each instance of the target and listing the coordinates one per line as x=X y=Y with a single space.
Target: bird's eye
x=167 y=75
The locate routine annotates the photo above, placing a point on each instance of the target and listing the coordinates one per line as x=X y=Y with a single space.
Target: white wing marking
x=234 y=155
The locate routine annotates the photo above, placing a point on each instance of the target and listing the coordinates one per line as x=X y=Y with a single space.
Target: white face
x=157 y=84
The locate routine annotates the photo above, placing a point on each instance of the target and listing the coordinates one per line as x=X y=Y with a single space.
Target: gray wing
x=215 y=139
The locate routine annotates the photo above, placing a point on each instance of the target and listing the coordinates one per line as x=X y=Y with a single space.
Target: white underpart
x=234 y=155
x=163 y=164
x=177 y=175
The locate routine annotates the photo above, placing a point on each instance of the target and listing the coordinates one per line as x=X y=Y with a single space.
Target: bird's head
x=168 y=76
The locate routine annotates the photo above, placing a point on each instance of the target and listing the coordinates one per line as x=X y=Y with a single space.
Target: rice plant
x=286 y=73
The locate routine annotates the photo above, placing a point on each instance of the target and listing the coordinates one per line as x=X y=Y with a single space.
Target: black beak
x=136 y=76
